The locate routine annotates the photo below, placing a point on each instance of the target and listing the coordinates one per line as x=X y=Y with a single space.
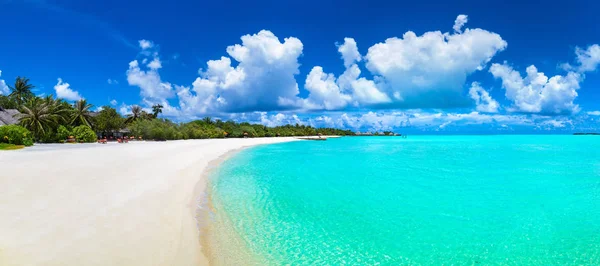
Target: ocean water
x=424 y=200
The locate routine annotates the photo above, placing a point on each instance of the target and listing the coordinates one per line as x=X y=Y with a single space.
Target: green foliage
x=62 y=133
x=39 y=116
x=7 y=102
x=21 y=91
x=156 y=109
x=84 y=134
x=108 y=120
x=50 y=119
x=156 y=129
x=17 y=135
x=81 y=114
x=162 y=129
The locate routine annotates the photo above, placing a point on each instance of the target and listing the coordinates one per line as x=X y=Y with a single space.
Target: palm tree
x=37 y=116
x=136 y=112
x=156 y=109
x=207 y=120
x=81 y=113
x=58 y=107
x=21 y=92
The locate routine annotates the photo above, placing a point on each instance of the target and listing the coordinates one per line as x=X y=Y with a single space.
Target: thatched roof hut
x=9 y=116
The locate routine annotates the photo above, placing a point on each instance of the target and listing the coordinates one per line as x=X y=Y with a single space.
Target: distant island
x=585 y=133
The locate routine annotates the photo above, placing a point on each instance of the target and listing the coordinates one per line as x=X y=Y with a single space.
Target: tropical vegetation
x=15 y=135
x=49 y=119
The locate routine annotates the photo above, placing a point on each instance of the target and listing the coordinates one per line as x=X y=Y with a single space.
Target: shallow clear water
x=502 y=200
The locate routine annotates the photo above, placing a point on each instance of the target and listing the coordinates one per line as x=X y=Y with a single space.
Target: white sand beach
x=114 y=204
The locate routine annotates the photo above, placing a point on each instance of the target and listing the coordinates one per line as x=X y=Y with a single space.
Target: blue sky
x=407 y=66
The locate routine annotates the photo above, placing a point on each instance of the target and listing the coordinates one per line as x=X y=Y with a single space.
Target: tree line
x=49 y=120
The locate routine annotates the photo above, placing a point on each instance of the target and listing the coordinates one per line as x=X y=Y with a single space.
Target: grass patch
x=8 y=147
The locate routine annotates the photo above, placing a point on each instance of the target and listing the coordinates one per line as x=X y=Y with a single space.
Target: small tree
x=108 y=120
x=156 y=109
x=21 y=91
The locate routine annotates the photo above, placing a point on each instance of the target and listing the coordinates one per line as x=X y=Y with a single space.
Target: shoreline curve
x=115 y=204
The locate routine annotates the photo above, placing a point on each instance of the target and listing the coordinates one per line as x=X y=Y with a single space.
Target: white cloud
x=430 y=70
x=155 y=64
x=150 y=83
x=594 y=113
x=124 y=109
x=4 y=90
x=324 y=91
x=263 y=77
x=113 y=102
x=329 y=93
x=483 y=100
x=349 y=52
x=589 y=58
x=416 y=119
x=64 y=91
x=364 y=91
x=145 y=44
x=460 y=21
x=112 y=82
x=537 y=93
x=426 y=71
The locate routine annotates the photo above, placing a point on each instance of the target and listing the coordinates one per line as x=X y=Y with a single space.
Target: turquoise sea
x=424 y=200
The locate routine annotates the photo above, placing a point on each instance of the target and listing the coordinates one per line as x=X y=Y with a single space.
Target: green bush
x=62 y=133
x=17 y=135
x=84 y=134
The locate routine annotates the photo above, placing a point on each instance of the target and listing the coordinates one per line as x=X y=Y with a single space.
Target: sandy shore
x=114 y=204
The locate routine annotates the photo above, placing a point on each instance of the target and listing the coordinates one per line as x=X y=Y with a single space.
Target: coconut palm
x=21 y=92
x=81 y=114
x=207 y=120
x=37 y=116
x=156 y=109
x=58 y=107
x=136 y=113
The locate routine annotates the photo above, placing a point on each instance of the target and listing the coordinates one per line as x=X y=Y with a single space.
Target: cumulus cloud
x=155 y=64
x=589 y=58
x=63 y=90
x=459 y=22
x=536 y=93
x=257 y=77
x=262 y=79
x=324 y=91
x=112 y=82
x=4 y=90
x=113 y=102
x=349 y=51
x=145 y=44
x=483 y=100
x=430 y=70
x=426 y=71
x=149 y=81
